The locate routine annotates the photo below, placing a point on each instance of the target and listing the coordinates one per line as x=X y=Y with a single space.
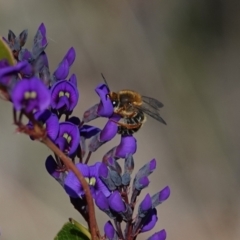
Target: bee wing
x=152 y=102
x=152 y=112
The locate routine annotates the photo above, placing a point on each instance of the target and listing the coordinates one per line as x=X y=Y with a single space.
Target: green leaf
x=6 y=52
x=73 y=231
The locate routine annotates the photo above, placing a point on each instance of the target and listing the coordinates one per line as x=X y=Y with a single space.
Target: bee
x=133 y=108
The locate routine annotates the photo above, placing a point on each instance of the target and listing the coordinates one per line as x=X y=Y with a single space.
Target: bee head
x=114 y=98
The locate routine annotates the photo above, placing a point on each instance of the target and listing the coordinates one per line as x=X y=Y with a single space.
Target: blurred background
x=186 y=54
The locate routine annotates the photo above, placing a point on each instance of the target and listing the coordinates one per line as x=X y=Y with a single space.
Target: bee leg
x=119 y=110
x=128 y=126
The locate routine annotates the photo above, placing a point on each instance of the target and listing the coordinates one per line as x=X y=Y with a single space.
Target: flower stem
x=70 y=165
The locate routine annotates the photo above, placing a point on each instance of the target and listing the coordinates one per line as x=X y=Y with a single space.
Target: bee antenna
x=105 y=81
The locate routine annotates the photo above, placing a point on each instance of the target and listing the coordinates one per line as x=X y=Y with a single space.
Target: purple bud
x=126 y=178
x=114 y=165
x=146 y=204
x=70 y=56
x=110 y=231
x=116 y=203
x=62 y=70
x=103 y=171
x=150 y=221
x=161 y=196
x=152 y=165
x=129 y=164
x=141 y=183
x=116 y=178
x=101 y=201
x=42 y=29
x=161 y=235
x=105 y=176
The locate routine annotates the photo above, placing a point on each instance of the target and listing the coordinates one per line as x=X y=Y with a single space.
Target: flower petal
x=70 y=131
x=116 y=203
x=128 y=145
x=105 y=108
x=72 y=185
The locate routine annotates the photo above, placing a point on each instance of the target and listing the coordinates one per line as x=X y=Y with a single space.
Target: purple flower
x=103 y=109
x=74 y=188
x=150 y=221
x=30 y=94
x=161 y=235
x=49 y=121
x=64 y=96
x=95 y=182
x=70 y=132
x=116 y=203
x=109 y=231
x=72 y=185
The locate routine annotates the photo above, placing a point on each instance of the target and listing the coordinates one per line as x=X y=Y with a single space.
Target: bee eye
x=114 y=103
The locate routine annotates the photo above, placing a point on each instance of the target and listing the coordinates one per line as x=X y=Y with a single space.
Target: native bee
x=133 y=108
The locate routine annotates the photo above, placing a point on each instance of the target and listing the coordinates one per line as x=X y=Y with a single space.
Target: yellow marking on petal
x=27 y=95
x=61 y=94
x=65 y=135
x=69 y=139
x=87 y=180
x=44 y=125
x=92 y=181
x=33 y=95
x=67 y=94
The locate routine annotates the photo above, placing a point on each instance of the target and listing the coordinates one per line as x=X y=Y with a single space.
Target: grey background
x=183 y=52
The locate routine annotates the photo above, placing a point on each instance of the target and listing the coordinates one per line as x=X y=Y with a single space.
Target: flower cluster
x=46 y=98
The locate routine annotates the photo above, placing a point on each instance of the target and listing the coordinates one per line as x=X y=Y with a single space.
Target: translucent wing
x=152 y=102
x=151 y=111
